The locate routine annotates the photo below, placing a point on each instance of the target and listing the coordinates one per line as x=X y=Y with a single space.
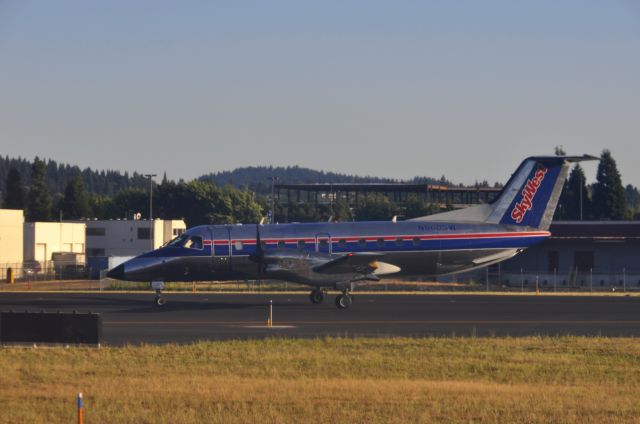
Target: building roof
x=595 y=229
x=383 y=187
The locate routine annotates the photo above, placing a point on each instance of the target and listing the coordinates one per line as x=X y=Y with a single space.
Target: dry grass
x=524 y=380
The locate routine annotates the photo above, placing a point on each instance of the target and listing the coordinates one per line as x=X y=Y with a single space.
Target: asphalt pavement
x=132 y=318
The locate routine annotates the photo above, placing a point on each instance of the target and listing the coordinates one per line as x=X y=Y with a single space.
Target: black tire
x=160 y=301
x=343 y=301
x=316 y=296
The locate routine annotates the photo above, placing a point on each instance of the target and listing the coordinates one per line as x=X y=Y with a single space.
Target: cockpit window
x=186 y=241
x=178 y=241
x=194 y=242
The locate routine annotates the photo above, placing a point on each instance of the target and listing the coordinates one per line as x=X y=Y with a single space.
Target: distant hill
x=100 y=182
x=258 y=178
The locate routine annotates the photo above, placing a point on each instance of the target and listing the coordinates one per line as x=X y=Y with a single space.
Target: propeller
x=258 y=255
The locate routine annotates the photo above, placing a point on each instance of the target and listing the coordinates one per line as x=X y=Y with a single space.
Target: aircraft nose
x=117 y=272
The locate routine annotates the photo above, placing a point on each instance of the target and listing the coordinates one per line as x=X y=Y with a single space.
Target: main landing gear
x=316 y=296
x=344 y=300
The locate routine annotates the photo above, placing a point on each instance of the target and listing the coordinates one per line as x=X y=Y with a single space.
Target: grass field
x=523 y=380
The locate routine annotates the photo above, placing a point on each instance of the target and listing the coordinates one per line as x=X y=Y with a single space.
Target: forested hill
x=58 y=174
x=258 y=178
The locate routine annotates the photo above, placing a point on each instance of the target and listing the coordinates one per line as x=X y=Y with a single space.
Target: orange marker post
x=80 y=409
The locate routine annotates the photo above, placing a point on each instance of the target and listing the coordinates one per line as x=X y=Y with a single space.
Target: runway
x=133 y=319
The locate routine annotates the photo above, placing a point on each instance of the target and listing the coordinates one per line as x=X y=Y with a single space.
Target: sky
x=465 y=89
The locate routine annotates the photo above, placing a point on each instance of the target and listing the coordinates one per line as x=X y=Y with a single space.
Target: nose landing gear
x=158 y=286
x=159 y=300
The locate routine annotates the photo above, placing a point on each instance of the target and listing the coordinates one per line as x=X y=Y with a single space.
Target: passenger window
x=380 y=242
x=324 y=242
x=194 y=242
x=399 y=241
x=342 y=243
x=239 y=245
x=416 y=241
x=362 y=242
x=300 y=244
x=281 y=243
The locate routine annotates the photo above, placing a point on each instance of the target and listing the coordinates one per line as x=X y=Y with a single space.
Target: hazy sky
x=397 y=89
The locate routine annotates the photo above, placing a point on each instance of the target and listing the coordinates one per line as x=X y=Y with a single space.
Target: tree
x=75 y=203
x=14 y=192
x=575 y=203
x=38 y=200
x=609 y=200
x=633 y=199
x=416 y=207
x=375 y=208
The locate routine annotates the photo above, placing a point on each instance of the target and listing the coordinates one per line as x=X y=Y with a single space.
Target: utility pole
x=150 y=176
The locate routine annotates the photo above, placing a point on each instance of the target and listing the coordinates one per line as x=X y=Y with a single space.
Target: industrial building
x=117 y=237
x=11 y=238
x=579 y=254
x=54 y=243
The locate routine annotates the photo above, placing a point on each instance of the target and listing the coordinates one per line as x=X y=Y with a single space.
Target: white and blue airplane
x=340 y=255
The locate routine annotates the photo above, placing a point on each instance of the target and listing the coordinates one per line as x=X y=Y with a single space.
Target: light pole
x=273 y=199
x=150 y=176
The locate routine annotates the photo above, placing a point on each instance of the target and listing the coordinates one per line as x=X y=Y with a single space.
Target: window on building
x=95 y=252
x=553 y=258
x=144 y=233
x=583 y=261
x=96 y=231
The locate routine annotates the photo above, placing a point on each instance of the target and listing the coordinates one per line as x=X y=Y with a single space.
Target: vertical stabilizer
x=529 y=198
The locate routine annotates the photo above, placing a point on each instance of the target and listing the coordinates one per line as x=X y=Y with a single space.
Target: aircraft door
x=221 y=249
x=323 y=243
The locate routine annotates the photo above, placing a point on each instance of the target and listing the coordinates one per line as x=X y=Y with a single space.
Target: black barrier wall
x=43 y=327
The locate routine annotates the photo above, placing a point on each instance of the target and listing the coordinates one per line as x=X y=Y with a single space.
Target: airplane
x=342 y=255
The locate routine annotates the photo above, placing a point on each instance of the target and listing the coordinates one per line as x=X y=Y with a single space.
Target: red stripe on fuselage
x=293 y=240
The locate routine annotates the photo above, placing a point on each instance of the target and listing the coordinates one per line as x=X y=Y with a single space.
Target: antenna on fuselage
x=394 y=219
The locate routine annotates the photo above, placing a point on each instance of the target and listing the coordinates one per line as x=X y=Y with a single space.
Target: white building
x=11 y=238
x=43 y=239
x=129 y=237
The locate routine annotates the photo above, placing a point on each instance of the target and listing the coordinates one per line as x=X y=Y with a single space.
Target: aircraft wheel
x=316 y=296
x=160 y=301
x=343 y=301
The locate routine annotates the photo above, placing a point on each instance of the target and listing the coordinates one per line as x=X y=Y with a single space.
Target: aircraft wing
x=358 y=263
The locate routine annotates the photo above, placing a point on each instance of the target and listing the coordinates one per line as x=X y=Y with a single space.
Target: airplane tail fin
x=528 y=199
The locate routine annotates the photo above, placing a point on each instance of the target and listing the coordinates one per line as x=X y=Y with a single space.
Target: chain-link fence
x=43 y=271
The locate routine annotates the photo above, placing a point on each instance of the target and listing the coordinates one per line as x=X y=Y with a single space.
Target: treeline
x=58 y=175
x=28 y=186
x=606 y=199
x=197 y=202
